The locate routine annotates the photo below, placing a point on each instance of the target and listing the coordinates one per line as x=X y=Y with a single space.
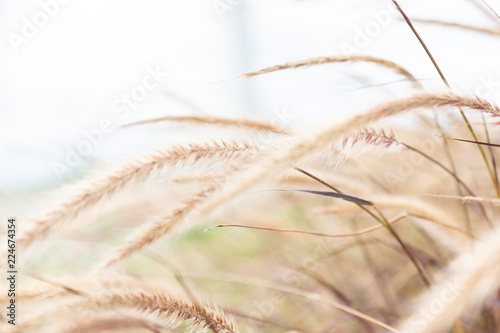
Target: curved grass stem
x=443 y=78
x=382 y=220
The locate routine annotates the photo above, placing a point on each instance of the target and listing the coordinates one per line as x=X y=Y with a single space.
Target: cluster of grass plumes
x=283 y=230
x=119 y=304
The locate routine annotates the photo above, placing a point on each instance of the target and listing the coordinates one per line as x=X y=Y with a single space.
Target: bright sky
x=62 y=74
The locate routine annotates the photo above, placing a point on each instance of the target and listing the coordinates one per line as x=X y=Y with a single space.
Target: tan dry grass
x=459 y=25
x=471 y=278
x=308 y=145
x=384 y=269
x=98 y=188
x=242 y=123
x=336 y=59
x=117 y=295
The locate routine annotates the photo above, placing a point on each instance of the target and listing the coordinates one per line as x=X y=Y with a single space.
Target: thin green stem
x=405 y=248
x=449 y=155
x=452 y=173
x=464 y=117
x=383 y=221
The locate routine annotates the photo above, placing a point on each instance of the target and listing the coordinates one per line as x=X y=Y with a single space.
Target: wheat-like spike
x=161 y=302
x=197 y=178
x=246 y=123
x=459 y=25
x=494 y=201
x=333 y=59
x=371 y=136
x=471 y=278
x=96 y=189
x=169 y=222
x=301 y=146
x=161 y=225
x=104 y=293
x=140 y=297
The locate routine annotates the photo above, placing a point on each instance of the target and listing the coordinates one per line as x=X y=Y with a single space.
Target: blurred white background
x=65 y=76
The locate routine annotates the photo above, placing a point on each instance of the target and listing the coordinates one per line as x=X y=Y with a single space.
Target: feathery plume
x=98 y=188
x=303 y=146
x=245 y=123
x=471 y=278
x=333 y=59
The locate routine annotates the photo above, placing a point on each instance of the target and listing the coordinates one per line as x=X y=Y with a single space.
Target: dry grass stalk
x=459 y=25
x=98 y=188
x=163 y=303
x=412 y=206
x=490 y=8
x=371 y=137
x=372 y=285
x=144 y=298
x=197 y=178
x=494 y=201
x=464 y=117
x=57 y=288
x=157 y=229
x=471 y=278
x=305 y=232
x=244 y=123
x=169 y=222
x=335 y=59
x=267 y=284
x=349 y=184
x=47 y=288
x=307 y=145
